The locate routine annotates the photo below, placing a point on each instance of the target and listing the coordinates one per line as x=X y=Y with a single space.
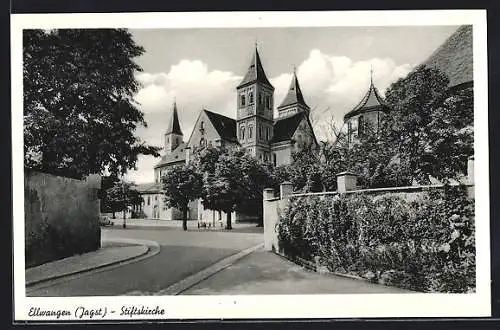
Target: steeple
x=370 y=101
x=173 y=134
x=255 y=72
x=173 y=124
x=294 y=100
x=294 y=95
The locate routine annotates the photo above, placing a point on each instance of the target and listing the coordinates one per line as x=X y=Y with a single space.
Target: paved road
x=181 y=254
x=264 y=272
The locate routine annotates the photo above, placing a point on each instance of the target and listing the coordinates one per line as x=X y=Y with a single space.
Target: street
x=181 y=254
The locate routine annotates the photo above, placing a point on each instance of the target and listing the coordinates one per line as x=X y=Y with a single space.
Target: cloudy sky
x=202 y=67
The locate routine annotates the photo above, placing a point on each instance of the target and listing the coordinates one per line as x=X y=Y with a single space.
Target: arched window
x=250 y=98
x=250 y=131
x=242 y=132
x=242 y=100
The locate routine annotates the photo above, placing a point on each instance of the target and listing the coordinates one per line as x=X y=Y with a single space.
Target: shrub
x=426 y=244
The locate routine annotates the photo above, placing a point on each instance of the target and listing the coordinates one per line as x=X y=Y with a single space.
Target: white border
x=272 y=306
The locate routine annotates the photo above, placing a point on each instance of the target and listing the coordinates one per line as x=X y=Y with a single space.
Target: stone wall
x=273 y=206
x=61 y=216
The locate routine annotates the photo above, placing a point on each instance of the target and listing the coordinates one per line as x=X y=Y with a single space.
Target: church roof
x=294 y=95
x=173 y=124
x=225 y=126
x=255 y=72
x=151 y=187
x=284 y=128
x=371 y=101
x=454 y=57
x=178 y=155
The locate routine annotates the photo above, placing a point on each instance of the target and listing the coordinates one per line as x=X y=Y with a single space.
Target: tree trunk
x=228 y=220
x=184 y=218
x=114 y=216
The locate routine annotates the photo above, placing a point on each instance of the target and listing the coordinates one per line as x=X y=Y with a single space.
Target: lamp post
x=124 y=206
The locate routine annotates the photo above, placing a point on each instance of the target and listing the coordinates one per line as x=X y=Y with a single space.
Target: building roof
x=370 y=102
x=225 y=126
x=173 y=124
x=454 y=57
x=294 y=95
x=255 y=72
x=176 y=156
x=151 y=187
x=284 y=128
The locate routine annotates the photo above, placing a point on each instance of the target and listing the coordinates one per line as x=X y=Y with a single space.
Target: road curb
x=196 y=278
x=152 y=248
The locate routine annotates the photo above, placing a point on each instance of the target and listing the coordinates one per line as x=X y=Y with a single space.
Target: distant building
x=453 y=57
x=367 y=113
x=255 y=129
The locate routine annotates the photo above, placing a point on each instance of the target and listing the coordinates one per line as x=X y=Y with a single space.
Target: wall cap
x=346 y=173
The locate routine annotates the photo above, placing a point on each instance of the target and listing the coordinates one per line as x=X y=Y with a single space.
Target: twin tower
x=256 y=129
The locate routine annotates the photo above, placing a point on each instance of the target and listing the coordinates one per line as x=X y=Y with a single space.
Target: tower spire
x=371 y=74
x=173 y=125
x=255 y=72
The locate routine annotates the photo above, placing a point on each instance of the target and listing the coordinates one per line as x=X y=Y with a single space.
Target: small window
x=156 y=197
x=268 y=102
x=149 y=200
x=202 y=125
x=274 y=159
x=261 y=98
x=250 y=131
x=250 y=98
x=242 y=100
x=267 y=133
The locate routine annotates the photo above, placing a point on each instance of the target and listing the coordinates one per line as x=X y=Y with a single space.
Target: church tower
x=173 y=134
x=294 y=100
x=254 y=119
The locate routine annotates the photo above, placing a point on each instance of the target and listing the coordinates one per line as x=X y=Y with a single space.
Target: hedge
x=426 y=244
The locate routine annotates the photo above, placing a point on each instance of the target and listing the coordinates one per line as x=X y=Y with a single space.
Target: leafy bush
x=425 y=244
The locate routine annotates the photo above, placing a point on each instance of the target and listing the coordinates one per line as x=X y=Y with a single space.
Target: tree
x=120 y=196
x=181 y=184
x=232 y=180
x=430 y=126
x=79 y=112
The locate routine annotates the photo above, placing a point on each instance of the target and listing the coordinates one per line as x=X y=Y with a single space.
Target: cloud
x=332 y=85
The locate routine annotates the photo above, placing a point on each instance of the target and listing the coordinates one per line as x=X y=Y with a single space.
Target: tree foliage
x=181 y=184
x=430 y=126
x=119 y=196
x=79 y=112
x=232 y=180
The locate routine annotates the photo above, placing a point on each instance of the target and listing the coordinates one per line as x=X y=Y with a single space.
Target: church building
x=256 y=129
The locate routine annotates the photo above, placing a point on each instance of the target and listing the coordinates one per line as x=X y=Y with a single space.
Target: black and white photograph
x=250 y=165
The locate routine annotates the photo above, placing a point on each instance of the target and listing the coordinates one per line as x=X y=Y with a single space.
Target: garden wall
x=61 y=216
x=419 y=238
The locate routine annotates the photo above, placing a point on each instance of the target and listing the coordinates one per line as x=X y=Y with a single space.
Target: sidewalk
x=111 y=253
x=264 y=272
x=177 y=224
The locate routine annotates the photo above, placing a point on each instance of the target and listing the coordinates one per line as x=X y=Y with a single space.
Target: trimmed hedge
x=426 y=244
